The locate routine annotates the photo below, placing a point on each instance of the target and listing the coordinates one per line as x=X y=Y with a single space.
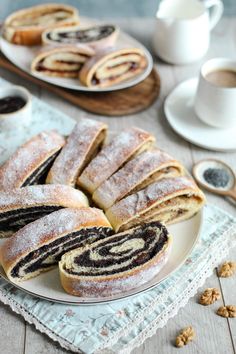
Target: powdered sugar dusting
x=114 y=155
x=155 y=192
x=132 y=174
x=70 y=162
x=28 y=157
x=49 y=228
x=42 y=195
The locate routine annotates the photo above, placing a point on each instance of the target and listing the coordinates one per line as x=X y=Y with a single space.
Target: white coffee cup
x=182 y=30
x=216 y=104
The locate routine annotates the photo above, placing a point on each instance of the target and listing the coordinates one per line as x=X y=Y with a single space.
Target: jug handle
x=216 y=12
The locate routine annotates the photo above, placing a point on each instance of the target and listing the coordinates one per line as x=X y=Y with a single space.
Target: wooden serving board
x=117 y=103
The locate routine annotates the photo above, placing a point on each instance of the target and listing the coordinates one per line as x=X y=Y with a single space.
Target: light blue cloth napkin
x=118 y=327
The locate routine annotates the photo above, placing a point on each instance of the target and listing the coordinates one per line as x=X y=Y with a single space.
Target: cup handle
x=216 y=12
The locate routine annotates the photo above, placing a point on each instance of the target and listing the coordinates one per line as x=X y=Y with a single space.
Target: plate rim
x=119 y=297
x=126 y=84
x=170 y=120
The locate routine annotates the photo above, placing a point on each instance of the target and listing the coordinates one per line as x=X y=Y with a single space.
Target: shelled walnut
x=227 y=311
x=185 y=336
x=227 y=269
x=209 y=296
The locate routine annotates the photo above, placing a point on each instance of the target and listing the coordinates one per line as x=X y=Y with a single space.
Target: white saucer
x=180 y=114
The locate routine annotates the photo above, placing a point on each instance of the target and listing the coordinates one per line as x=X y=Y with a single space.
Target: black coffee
x=222 y=77
x=11 y=104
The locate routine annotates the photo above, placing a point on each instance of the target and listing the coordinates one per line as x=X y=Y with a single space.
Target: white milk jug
x=182 y=30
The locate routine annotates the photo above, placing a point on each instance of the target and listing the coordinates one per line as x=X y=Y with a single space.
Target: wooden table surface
x=215 y=335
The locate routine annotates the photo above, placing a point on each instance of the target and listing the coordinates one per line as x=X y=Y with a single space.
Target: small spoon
x=228 y=188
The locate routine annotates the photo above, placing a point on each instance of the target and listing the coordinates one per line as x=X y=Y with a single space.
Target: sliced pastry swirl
x=116 y=264
x=97 y=37
x=168 y=200
x=31 y=161
x=143 y=169
x=82 y=145
x=25 y=26
x=113 y=66
x=121 y=148
x=64 y=61
x=38 y=247
x=19 y=207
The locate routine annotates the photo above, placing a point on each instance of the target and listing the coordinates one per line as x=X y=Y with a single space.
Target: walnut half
x=227 y=269
x=185 y=336
x=227 y=311
x=209 y=296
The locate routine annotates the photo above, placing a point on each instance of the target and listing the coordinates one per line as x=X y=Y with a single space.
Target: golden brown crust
x=46 y=230
x=168 y=200
x=136 y=174
x=81 y=146
x=42 y=195
x=28 y=157
x=89 y=71
x=31 y=34
x=121 y=148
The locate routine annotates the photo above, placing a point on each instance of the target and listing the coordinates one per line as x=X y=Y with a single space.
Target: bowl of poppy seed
x=214 y=175
x=15 y=108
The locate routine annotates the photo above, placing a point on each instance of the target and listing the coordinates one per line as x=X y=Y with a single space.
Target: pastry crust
x=112 y=66
x=81 y=146
x=25 y=26
x=22 y=205
x=62 y=61
x=136 y=174
x=123 y=147
x=98 y=37
x=120 y=262
x=35 y=156
x=64 y=225
x=169 y=200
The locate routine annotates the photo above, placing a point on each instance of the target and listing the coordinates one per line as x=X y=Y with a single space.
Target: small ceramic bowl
x=20 y=118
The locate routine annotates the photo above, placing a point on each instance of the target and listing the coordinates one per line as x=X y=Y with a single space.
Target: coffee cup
x=215 y=100
x=182 y=30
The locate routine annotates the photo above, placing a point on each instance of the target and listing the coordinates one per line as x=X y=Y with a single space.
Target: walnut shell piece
x=185 y=336
x=227 y=269
x=209 y=296
x=227 y=311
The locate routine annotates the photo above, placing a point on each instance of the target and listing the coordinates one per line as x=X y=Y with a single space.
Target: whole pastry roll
x=122 y=147
x=25 y=26
x=31 y=162
x=169 y=200
x=97 y=37
x=143 y=169
x=82 y=145
x=64 y=61
x=117 y=263
x=111 y=67
x=19 y=207
x=38 y=247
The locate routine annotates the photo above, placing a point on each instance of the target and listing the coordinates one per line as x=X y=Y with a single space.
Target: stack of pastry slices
x=96 y=206
x=70 y=50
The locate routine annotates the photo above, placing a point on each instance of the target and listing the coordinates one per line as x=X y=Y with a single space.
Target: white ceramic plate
x=47 y=285
x=180 y=114
x=22 y=57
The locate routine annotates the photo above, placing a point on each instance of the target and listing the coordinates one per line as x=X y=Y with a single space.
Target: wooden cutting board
x=117 y=103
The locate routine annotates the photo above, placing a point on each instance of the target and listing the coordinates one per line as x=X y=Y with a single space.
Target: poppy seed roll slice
x=38 y=246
